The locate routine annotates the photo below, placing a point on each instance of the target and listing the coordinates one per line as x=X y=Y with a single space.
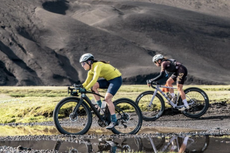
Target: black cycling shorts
x=112 y=86
x=180 y=75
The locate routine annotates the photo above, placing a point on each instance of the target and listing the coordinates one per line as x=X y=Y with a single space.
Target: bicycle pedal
x=183 y=109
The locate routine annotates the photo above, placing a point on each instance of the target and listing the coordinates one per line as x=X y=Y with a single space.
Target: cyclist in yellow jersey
x=111 y=81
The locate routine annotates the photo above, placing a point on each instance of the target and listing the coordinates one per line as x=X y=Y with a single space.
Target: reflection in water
x=174 y=143
x=182 y=144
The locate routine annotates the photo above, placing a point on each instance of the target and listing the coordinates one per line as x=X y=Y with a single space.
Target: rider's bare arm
x=162 y=73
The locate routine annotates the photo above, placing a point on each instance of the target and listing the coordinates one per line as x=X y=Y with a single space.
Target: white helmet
x=86 y=57
x=157 y=57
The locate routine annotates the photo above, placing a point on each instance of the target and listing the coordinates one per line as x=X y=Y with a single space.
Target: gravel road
x=216 y=121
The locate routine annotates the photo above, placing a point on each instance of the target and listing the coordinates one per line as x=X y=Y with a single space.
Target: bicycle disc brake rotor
x=192 y=101
x=194 y=105
x=72 y=117
x=125 y=117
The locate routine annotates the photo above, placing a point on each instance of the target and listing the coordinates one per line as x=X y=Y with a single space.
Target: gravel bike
x=152 y=104
x=73 y=115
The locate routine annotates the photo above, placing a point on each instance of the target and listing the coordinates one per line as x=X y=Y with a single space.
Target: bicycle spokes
x=128 y=116
x=69 y=121
x=153 y=111
x=195 y=101
x=198 y=102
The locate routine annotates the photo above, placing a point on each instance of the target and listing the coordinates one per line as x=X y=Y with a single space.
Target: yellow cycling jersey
x=100 y=70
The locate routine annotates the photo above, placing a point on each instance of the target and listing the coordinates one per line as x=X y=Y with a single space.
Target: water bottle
x=95 y=103
x=102 y=108
x=169 y=95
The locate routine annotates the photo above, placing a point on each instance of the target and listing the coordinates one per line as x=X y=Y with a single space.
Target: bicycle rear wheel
x=155 y=110
x=129 y=116
x=66 y=122
x=200 y=102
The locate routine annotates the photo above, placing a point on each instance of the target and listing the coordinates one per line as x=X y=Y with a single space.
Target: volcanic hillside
x=41 y=41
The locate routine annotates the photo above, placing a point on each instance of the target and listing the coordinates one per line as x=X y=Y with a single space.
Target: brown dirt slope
x=41 y=41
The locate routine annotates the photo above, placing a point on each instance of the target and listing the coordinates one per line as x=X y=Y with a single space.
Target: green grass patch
x=36 y=104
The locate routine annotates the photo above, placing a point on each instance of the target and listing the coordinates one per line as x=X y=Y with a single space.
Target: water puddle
x=101 y=140
x=175 y=143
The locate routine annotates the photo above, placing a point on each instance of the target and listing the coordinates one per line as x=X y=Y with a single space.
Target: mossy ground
x=36 y=104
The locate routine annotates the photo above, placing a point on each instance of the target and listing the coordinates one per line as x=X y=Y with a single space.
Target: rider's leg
x=95 y=89
x=181 y=77
x=182 y=94
x=181 y=91
x=114 y=85
x=184 y=145
x=108 y=99
x=169 y=82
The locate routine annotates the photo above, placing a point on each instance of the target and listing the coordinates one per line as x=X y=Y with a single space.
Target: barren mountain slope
x=41 y=41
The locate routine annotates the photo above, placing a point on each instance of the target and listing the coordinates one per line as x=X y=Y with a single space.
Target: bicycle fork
x=73 y=115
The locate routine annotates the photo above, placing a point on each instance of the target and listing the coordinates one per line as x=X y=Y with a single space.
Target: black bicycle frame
x=83 y=96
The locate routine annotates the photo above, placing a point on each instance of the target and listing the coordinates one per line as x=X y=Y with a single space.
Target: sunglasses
x=83 y=63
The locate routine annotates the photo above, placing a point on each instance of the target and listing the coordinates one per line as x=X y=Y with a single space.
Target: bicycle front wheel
x=199 y=102
x=153 y=112
x=67 y=122
x=129 y=116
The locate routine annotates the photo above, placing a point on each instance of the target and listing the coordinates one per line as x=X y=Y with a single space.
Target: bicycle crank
x=102 y=123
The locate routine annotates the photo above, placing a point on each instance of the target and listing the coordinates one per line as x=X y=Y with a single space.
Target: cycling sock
x=185 y=140
x=99 y=103
x=113 y=118
x=173 y=95
x=185 y=103
x=114 y=148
